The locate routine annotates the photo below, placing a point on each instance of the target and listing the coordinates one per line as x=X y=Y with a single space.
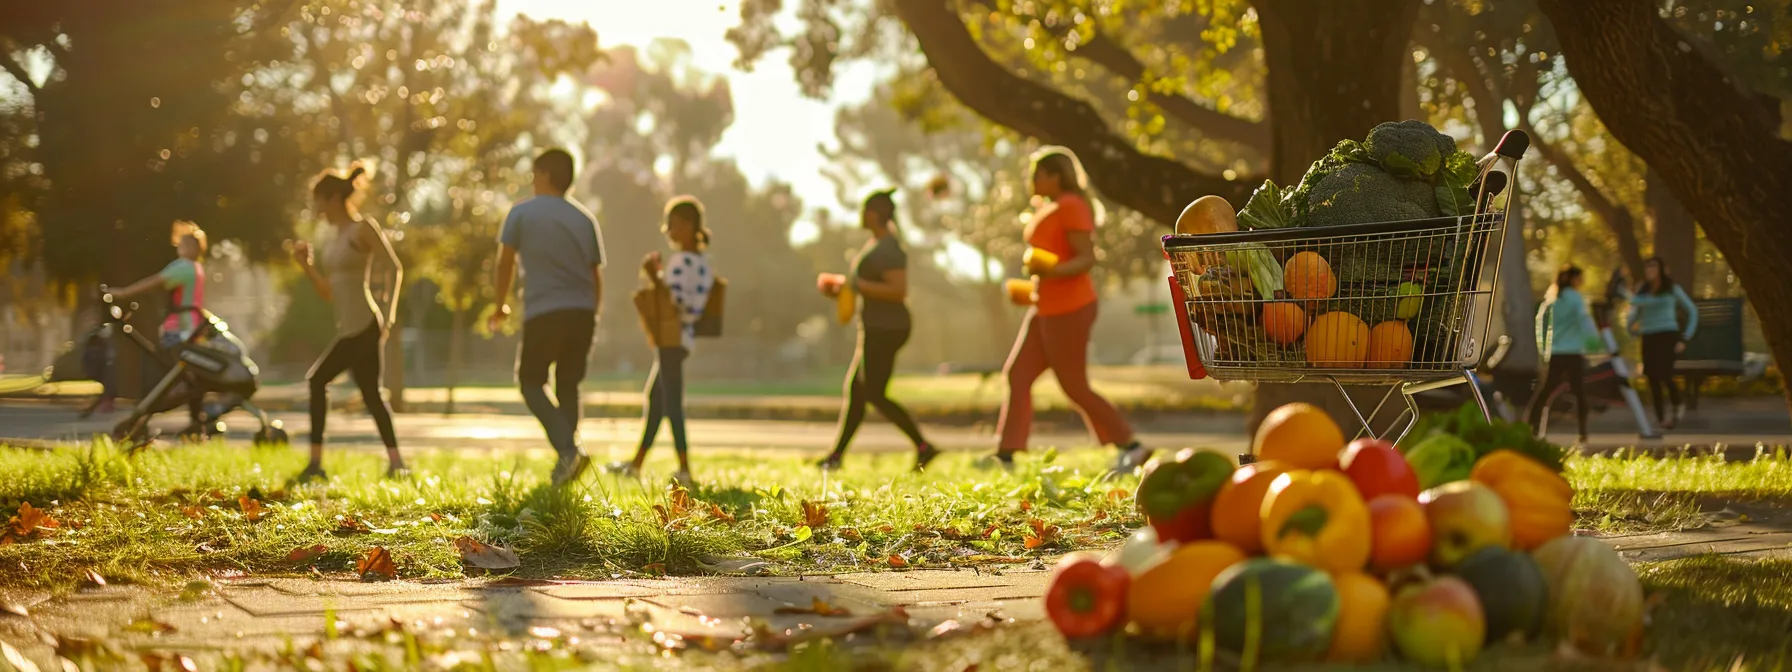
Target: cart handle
x=1180 y=298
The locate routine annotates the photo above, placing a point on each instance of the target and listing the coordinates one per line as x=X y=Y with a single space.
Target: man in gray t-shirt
x=562 y=256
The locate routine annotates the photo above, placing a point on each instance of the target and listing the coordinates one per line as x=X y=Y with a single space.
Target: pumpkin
x=1539 y=500
x=1595 y=598
x=1208 y=214
x=1513 y=593
x=1290 y=608
x=1362 y=629
x=1165 y=600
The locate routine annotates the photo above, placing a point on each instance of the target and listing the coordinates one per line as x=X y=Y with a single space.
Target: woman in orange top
x=1055 y=335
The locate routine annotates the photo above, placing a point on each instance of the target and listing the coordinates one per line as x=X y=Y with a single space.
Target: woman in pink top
x=1055 y=335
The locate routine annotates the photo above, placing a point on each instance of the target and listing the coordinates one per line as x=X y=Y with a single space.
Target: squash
x=1514 y=595
x=1362 y=629
x=1208 y=214
x=1539 y=499
x=1166 y=599
x=1595 y=598
x=1293 y=607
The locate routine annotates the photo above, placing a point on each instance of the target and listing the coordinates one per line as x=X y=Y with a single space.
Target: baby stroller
x=209 y=368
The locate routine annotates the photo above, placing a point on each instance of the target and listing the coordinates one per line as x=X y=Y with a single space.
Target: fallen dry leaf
x=715 y=511
x=815 y=514
x=850 y=533
x=15 y=609
x=435 y=517
x=485 y=556
x=193 y=512
x=18 y=661
x=658 y=568
x=766 y=638
x=1026 y=505
x=885 y=529
x=31 y=522
x=819 y=607
x=305 y=554
x=157 y=662
x=898 y=561
x=251 y=508
x=1118 y=494
x=682 y=503
x=376 y=565
x=346 y=525
x=94 y=578
x=1042 y=534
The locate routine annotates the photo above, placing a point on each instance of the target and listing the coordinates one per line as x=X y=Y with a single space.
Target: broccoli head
x=1410 y=146
x=1359 y=193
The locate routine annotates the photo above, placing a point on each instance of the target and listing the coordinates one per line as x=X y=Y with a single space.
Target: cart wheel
x=272 y=437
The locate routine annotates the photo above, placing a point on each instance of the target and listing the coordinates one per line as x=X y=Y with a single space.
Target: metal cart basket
x=1405 y=305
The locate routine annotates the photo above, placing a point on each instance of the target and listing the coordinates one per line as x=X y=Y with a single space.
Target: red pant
x=1059 y=343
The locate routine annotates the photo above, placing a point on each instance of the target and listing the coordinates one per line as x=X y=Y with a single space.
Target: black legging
x=361 y=356
x=1562 y=368
x=1658 y=365
x=868 y=382
x=665 y=400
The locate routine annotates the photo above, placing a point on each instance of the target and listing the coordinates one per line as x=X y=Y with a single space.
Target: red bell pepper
x=1087 y=598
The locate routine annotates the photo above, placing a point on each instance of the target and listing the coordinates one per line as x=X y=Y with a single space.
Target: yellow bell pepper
x=1317 y=518
x=1539 y=499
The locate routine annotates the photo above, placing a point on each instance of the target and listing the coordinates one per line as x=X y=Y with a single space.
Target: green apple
x=1409 y=306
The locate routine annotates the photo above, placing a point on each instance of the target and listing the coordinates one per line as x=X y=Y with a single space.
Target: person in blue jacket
x=1566 y=334
x=1654 y=312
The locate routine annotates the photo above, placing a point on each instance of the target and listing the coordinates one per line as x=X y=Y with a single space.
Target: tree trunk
x=1676 y=234
x=1335 y=71
x=457 y=348
x=1717 y=147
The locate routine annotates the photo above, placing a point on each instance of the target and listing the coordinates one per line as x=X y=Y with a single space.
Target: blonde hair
x=182 y=229
x=1062 y=162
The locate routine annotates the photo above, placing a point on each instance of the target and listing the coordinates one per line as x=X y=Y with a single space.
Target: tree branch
x=1155 y=186
x=1109 y=54
x=18 y=72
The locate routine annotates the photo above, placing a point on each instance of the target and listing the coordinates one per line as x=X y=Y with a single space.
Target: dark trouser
x=665 y=400
x=1658 y=365
x=1562 y=368
x=1060 y=344
x=561 y=339
x=868 y=383
x=363 y=357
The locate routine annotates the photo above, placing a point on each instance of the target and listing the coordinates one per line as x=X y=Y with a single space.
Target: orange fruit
x=1284 y=322
x=1238 y=508
x=1337 y=340
x=1390 y=345
x=1361 y=632
x=1399 y=533
x=1166 y=599
x=1299 y=435
x=1306 y=275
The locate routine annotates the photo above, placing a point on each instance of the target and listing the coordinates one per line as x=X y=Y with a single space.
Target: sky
x=776 y=130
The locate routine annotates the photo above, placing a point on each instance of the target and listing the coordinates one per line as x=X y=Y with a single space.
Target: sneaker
x=683 y=479
x=624 y=469
x=567 y=471
x=829 y=463
x=925 y=455
x=312 y=474
x=398 y=472
x=1131 y=457
x=1001 y=459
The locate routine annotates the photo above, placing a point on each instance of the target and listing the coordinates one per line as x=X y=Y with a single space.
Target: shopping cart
x=1401 y=305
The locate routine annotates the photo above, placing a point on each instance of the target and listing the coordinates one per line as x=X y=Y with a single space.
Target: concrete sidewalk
x=249 y=616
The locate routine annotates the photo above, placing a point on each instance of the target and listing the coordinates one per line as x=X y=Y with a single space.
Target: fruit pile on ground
x=1325 y=551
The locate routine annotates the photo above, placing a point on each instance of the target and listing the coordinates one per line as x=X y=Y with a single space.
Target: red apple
x=1399 y=534
x=1465 y=517
x=1378 y=469
x=1438 y=623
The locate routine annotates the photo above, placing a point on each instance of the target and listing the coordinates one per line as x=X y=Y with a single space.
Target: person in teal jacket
x=1566 y=334
x=1655 y=309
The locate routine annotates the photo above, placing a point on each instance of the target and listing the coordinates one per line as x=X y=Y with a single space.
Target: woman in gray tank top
x=343 y=276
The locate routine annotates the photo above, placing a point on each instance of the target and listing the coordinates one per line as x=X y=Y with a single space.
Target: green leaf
x=799 y=535
x=1267 y=209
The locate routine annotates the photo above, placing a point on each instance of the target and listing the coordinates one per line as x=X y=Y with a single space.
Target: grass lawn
x=167 y=515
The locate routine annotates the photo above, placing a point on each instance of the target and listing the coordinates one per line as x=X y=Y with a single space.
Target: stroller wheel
x=271 y=436
x=132 y=433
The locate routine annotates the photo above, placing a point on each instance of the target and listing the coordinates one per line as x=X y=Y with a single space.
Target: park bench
x=1715 y=349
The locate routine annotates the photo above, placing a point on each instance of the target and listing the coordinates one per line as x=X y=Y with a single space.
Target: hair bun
x=357 y=173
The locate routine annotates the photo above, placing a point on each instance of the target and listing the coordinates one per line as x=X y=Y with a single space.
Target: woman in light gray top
x=344 y=280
